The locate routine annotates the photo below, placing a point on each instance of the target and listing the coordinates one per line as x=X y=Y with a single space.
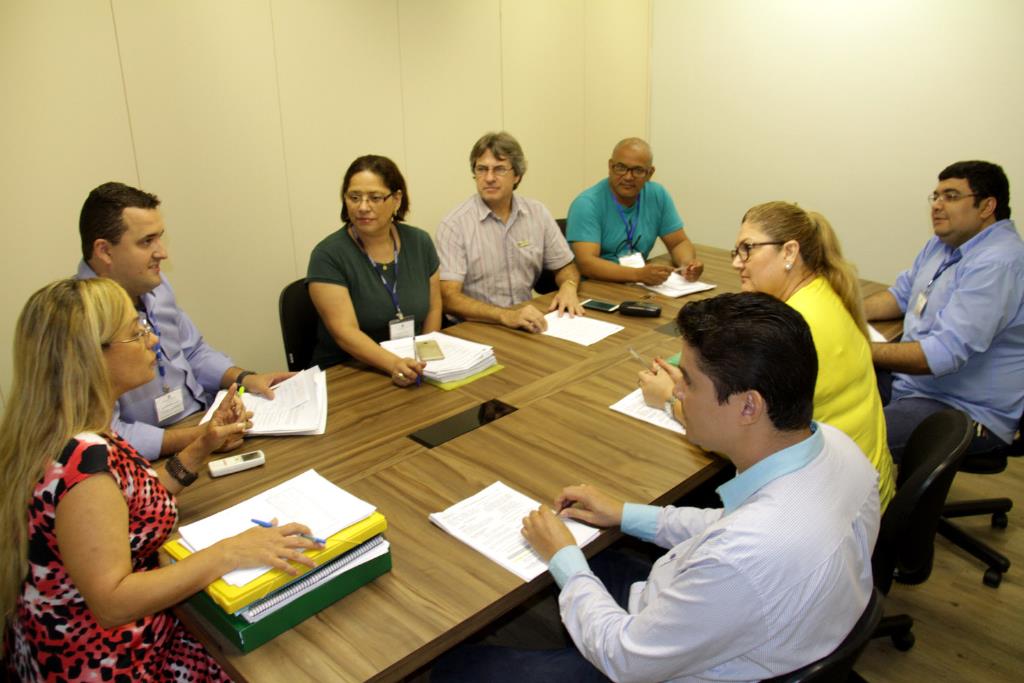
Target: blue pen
x=268 y=525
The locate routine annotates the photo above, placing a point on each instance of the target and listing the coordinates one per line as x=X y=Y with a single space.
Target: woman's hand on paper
x=275 y=546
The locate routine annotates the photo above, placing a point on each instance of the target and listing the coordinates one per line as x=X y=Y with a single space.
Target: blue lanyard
x=158 y=350
x=949 y=262
x=630 y=227
x=391 y=289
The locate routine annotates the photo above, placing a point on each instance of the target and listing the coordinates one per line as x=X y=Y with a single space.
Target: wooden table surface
x=440 y=591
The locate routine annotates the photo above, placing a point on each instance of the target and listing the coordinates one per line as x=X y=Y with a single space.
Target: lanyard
x=158 y=350
x=391 y=289
x=630 y=227
x=949 y=262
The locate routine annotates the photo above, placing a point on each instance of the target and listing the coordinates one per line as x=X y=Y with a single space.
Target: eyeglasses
x=145 y=329
x=743 y=250
x=500 y=171
x=638 y=172
x=948 y=196
x=355 y=199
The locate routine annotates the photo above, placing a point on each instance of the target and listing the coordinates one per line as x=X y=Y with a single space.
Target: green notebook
x=312 y=598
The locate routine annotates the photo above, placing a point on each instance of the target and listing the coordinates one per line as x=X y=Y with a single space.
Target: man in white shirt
x=769 y=583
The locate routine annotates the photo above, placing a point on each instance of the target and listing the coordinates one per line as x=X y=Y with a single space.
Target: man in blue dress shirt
x=122 y=239
x=613 y=225
x=963 y=307
x=769 y=583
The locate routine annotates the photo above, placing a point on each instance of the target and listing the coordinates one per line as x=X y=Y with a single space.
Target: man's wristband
x=670 y=404
x=178 y=471
x=242 y=375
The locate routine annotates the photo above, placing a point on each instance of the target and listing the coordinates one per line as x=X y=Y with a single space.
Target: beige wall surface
x=848 y=107
x=243 y=117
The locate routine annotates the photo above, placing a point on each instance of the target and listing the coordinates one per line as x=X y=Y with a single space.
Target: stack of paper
x=299 y=406
x=462 y=359
x=579 y=329
x=635 y=406
x=308 y=499
x=491 y=523
x=676 y=286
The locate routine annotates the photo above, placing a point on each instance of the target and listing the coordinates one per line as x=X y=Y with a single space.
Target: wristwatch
x=178 y=471
x=242 y=375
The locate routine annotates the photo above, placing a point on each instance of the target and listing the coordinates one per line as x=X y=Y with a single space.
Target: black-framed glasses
x=744 y=248
x=948 y=196
x=481 y=171
x=355 y=199
x=145 y=329
x=638 y=172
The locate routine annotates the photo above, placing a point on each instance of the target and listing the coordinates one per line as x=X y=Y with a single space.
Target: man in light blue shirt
x=122 y=239
x=612 y=226
x=769 y=583
x=963 y=307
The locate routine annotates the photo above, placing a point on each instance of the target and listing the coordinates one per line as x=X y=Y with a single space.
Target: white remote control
x=236 y=463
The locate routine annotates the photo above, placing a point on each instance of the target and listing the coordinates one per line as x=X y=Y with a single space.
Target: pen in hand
x=268 y=525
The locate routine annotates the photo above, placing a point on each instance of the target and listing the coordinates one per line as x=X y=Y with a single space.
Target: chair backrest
x=837 y=665
x=299 y=321
x=546 y=280
x=931 y=459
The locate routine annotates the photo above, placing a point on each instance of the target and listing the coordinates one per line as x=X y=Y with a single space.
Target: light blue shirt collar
x=735 y=491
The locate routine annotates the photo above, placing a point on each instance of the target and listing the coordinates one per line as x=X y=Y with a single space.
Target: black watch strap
x=178 y=471
x=242 y=375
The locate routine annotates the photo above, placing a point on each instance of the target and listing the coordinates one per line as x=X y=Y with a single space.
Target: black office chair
x=906 y=538
x=992 y=462
x=838 y=665
x=546 y=280
x=299 y=321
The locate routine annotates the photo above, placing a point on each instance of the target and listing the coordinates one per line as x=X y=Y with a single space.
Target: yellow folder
x=233 y=598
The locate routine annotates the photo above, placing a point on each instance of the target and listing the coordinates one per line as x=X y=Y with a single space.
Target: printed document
x=633 y=405
x=676 y=286
x=580 y=329
x=491 y=521
x=299 y=406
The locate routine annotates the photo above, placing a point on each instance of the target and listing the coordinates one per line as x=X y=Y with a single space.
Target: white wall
x=848 y=107
x=243 y=116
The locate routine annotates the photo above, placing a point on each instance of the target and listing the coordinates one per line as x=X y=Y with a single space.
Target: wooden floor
x=965 y=630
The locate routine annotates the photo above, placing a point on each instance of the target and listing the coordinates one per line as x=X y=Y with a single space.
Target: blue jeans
x=468 y=662
x=903 y=415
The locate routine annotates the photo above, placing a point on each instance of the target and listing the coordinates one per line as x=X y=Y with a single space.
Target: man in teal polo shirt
x=612 y=225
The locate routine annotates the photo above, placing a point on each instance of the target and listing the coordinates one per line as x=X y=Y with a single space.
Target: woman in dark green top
x=370 y=277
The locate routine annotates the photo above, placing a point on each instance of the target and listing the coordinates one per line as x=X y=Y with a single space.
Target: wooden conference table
x=440 y=591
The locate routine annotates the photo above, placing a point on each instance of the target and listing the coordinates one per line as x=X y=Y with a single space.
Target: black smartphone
x=461 y=423
x=596 y=305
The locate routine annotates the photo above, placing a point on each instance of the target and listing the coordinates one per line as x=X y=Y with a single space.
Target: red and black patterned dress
x=53 y=635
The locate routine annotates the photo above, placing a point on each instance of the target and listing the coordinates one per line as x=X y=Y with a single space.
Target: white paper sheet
x=299 y=406
x=491 y=523
x=676 y=286
x=580 y=329
x=308 y=498
x=633 y=405
x=876 y=336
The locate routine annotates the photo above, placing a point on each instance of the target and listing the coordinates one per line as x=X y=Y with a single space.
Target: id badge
x=169 y=404
x=632 y=260
x=402 y=328
x=920 y=303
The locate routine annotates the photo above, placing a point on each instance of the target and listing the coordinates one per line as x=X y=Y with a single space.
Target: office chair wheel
x=903 y=641
x=993 y=577
x=999 y=520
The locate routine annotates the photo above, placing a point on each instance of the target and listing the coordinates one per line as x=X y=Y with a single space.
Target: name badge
x=402 y=328
x=169 y=404
x=522 y=244
x=632 y=260
x=920 y=303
